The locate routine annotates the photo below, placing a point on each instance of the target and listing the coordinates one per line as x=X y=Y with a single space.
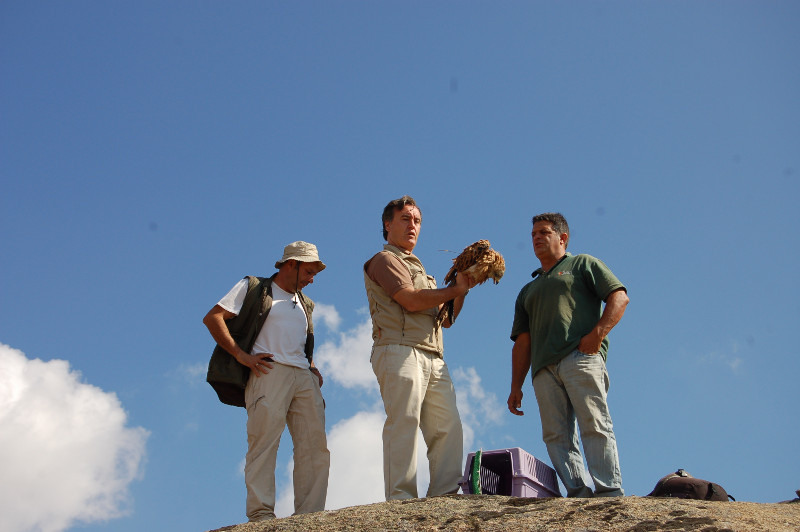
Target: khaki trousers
x=285 y=396
x=417 y=394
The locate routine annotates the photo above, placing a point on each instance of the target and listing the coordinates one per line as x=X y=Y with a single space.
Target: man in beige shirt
x=407 y=352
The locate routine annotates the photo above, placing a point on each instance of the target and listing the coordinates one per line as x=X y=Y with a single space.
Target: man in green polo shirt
x=560 y=334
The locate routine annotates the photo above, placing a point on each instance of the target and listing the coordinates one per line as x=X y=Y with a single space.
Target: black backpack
x=682 y=485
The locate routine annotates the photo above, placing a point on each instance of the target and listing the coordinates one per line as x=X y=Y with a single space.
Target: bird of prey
x=481 y=262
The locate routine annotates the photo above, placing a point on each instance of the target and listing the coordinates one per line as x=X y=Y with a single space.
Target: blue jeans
x=571 y=395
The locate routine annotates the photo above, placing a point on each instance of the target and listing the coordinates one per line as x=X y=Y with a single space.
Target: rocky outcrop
x=500 y=513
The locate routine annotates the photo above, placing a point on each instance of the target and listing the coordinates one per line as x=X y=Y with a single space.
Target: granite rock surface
x=501 y=513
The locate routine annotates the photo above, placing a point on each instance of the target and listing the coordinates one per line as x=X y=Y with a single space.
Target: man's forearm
x=520 y=361
x=612 y=313
x=423 y=299
x=458 y=304
x=219 y=331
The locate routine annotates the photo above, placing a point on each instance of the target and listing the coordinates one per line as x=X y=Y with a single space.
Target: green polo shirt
x=561 y=306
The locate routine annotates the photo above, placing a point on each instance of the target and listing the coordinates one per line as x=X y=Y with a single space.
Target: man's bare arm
x=414 y=300
x=612 y=313
x=215 y=322
x=520 y=365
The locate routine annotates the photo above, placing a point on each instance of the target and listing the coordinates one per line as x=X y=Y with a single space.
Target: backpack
x=682 y=485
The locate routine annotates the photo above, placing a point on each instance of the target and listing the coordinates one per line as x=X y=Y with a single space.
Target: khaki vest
x=391 y=323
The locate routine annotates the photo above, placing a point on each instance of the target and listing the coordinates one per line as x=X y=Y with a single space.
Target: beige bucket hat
x=301 y=252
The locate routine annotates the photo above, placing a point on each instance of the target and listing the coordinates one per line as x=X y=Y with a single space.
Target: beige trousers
x=285 y=396
x=417 y=394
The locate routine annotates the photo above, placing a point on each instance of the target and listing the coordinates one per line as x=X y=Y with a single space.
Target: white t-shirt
x=284 y=333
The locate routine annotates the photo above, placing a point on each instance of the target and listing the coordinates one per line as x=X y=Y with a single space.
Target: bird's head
x=498 y=268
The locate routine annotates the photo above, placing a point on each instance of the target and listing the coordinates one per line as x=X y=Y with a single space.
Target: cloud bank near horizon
x=66 y=453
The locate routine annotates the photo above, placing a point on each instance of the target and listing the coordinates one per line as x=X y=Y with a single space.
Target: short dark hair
x=560 y=225
x=394 y=206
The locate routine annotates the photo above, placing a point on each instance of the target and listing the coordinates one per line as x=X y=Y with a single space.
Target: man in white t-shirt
x=284 y=385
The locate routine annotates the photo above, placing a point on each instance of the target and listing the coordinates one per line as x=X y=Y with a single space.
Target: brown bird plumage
x=481 y=262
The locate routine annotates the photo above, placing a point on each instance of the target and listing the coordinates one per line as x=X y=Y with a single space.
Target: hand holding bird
x=480 y=262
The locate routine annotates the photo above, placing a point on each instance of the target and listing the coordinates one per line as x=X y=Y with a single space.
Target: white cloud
x=66 y=455
x=735 y=363
x=192 y=374
x=356 y=460
x=328 y=315
x=476 y=406
x=729 y=358
x=346 y=359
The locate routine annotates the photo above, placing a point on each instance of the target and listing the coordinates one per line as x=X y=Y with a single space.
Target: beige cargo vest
x=391 y=323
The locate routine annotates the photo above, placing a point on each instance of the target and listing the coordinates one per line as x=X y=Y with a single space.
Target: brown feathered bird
x=481 y=262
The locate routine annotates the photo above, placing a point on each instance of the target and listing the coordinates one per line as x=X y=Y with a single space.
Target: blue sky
x=152 y=154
